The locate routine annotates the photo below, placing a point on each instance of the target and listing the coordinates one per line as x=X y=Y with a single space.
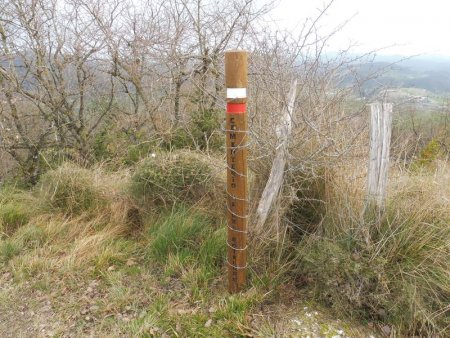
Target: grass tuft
x=189 y=236
x=12 y=216
x=31 y=236
x=72 y=190
x=8 y=250
x=392 y=268
x=181 y=176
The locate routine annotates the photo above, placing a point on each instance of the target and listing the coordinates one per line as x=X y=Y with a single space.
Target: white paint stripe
x=236 y=93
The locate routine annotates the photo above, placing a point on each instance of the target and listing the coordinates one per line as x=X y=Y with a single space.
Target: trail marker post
x=237 y=191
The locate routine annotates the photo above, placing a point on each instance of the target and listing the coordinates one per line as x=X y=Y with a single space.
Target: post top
x=236 y=51
x=236 y=68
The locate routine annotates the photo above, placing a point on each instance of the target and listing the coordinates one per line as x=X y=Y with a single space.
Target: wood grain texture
x=380 y=141
x=237 y=200
x=273 y=185
x=236 y=65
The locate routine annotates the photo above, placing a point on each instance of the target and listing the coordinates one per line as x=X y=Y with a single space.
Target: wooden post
x=380 y=141
x=273 y=185
x=237 y=191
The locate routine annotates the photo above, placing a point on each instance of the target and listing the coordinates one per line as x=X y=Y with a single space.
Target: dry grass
x=392 y=268
x=75 y=270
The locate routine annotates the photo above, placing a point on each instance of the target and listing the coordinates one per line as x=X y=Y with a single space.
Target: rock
x=382 y=312
x=386 y=329
x=208 y=323
x=131 y=262
x=154 y=330
x=297 y=321
x=356 y=257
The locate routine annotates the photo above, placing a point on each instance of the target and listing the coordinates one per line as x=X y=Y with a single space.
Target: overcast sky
x=412 y=26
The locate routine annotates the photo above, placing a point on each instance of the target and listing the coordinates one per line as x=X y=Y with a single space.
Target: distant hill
x=429 y=73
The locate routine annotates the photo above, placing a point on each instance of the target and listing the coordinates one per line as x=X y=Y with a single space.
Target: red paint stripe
x=238 y=108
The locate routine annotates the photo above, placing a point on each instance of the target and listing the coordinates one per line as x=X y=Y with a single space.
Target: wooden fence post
x=273 y=185
x=380 y=141
x=237 y=191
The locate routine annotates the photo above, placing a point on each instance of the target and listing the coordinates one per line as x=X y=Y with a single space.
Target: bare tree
x=50 y=74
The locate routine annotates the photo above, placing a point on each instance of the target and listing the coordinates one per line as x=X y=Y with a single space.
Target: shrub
x=71 y=189
x=121 y=147
x=393 y=269
x=201 y=133
x=428 y=155
x=180 y=176
x=205 y=128
x=137 y=152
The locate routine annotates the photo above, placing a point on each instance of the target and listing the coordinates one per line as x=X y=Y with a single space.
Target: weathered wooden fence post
x=237 y=191
x=273 y=185
x=380 y=141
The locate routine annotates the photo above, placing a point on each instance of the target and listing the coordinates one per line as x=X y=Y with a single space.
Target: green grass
x=8 y=250
x=12 y=216
x=16 y=207
x=115 y=253
x=190 y=236
x=22 y=236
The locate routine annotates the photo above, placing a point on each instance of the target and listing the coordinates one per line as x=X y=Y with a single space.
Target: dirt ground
x=51 y=306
